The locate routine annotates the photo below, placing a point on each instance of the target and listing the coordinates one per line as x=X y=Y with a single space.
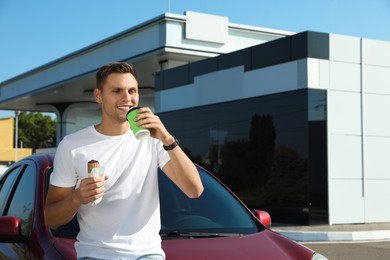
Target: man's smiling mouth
x=124 y=107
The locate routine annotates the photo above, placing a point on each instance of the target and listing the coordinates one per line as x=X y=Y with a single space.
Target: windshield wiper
x=178 y=233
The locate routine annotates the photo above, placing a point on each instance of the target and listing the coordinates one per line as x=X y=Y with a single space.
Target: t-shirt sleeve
x=163 y=156
x=63 y=174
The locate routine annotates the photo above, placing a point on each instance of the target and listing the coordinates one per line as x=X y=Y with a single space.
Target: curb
x=316 y=236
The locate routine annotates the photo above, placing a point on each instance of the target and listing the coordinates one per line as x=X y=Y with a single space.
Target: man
x=126 y=223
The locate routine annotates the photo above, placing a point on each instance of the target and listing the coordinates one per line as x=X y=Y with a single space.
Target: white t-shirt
x=126 y=223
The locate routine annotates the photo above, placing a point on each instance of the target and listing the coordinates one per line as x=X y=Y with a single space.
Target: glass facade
x=269 y=150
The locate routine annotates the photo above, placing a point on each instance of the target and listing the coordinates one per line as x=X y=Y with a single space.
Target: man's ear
x=97 y=93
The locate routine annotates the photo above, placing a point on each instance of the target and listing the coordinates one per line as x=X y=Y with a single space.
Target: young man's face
x=118 y=94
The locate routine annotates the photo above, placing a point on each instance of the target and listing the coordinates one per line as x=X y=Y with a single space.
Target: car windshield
x=215 y=213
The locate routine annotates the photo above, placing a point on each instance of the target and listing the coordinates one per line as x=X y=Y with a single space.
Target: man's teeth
x=124 y=107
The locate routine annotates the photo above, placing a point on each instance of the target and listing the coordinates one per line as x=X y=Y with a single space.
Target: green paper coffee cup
x=139 y=132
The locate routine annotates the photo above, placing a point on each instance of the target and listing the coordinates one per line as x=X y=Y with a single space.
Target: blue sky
x=36 y=32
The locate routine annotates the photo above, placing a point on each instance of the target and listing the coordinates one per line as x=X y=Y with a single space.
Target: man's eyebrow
x=121 y=87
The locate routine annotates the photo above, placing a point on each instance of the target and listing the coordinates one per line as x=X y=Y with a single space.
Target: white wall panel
x=344 y=113
x=376 y=79
x=174 y=33
x=348 y=134
x=376 y=52
x=377 y=200
x=344 y=157
x=318 y=74
x=303 y=70
x=324 y=74
x=273 y=79
x=175 y=98
x=344 y=48
x=220 y=86
x=376 y=158
x=346 y=204
x=376 y=115
x=345 y=76
x=313 y=73
x=217 y=27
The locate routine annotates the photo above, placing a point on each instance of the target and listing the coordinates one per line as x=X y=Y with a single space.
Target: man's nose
x=127 y=95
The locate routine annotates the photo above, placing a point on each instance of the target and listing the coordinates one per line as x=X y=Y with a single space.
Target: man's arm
x=182 y=171
x=60 y=206
x=63 y=203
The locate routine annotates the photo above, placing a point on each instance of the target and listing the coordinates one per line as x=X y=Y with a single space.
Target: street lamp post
x=16 y=134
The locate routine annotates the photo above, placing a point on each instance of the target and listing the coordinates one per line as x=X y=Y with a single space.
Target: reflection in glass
x=317 y=105
x=6 y=185
x=22 y=204
x=216 y=211
x=262 y=148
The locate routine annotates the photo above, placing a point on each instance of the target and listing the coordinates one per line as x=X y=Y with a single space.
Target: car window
x=22 y=203
x=216 y=210
x=6 y=185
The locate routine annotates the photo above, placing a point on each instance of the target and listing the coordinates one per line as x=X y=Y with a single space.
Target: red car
x=215 y=226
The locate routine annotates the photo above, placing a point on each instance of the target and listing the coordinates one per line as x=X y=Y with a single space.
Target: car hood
x=263 y=245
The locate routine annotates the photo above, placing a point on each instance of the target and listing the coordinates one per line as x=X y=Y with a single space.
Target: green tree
x=262 y=136
x=36 y=130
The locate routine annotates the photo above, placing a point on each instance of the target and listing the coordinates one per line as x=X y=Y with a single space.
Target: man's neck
x=112 y=129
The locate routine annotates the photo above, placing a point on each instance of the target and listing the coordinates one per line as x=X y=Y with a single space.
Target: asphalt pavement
x=349 y=232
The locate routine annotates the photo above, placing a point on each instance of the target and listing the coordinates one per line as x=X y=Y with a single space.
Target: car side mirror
x=10 y=230
x=263 y=217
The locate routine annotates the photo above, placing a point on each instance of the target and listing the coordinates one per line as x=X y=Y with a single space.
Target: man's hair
x=114 y=67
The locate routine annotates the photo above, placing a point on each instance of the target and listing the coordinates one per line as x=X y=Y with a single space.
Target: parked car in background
x=215 y=226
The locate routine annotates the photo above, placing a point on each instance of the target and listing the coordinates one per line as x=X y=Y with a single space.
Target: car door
x=17 y=196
